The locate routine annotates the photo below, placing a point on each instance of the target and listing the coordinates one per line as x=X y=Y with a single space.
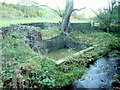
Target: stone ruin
x=34 y=39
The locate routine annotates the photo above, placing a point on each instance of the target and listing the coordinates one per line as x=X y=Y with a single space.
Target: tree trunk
x=67 y=14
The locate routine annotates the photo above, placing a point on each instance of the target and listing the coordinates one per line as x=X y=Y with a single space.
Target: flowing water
x=100 y=74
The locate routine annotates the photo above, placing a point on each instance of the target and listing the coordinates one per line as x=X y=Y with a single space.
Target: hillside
x=22 y=11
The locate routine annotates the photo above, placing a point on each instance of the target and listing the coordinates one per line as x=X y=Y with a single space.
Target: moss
x=60 y=53
x=47 y=34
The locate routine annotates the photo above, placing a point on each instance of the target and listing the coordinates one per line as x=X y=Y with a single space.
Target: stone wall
x=72 y=26
x=80 y=26
x=42 y=25
x=44 y=46
x=19 y=29
x=58 y=42
x=35 y=42
x=74 y=45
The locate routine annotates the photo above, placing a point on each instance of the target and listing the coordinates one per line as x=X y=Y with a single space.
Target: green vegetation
x=23 y=11
x=108 y=17
x=92 y=38
x=47 y=34
x=28 y=69
x=24 y=65
x=7 y=22
x=61 y=53
x=16 y=14
x=104 y=41
x=117 y=81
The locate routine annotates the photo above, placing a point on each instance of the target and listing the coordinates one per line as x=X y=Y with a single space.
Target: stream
x=100 y=74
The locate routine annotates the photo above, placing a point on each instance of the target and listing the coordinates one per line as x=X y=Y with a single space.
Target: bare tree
x=68 y=11
x=107 y=15
x=66 y=14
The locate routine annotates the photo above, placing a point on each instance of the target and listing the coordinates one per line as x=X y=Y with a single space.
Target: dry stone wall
x=74 y=45
x=79 y=26
x=19 y=29
x=43 y=46
x=42 y=25
x=58 y=42
x=72 y=26
x=46 y=46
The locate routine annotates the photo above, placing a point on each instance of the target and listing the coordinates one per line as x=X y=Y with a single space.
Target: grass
x=91 y=38
x=47 y=34
x=42 y=70
x=61 y=53
x=7 y=22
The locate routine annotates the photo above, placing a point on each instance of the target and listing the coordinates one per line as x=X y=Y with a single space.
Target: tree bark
x=67 y=14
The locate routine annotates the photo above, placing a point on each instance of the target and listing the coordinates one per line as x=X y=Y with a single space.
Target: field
x=6 y=22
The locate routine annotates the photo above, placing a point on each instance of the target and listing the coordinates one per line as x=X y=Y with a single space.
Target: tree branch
x=78 y=9
x=104 y=20
x=60 y=11
x=52 y=10
x=97 y=15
